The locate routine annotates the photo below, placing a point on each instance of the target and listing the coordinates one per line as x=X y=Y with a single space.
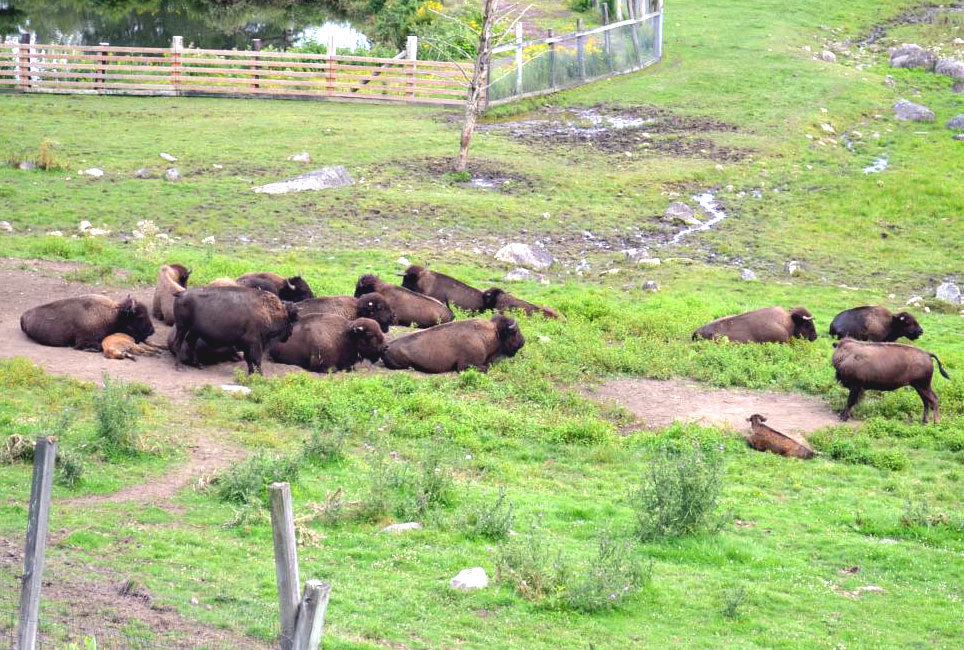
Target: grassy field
x=362 y=449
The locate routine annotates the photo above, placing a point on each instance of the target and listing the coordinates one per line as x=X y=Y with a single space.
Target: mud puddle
x=880 y=164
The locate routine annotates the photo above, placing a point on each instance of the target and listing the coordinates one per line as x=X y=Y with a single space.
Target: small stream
x=707 y=201
x=879 y=165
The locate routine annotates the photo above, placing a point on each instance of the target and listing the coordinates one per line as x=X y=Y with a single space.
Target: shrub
x=325 y=448
x=920 y=515
x=116 y=420
x=733 y=601
x=247 y=483
x=16 y=449
x=405 y=490
x=841 y=443
x=492 y=521
x=69 y=468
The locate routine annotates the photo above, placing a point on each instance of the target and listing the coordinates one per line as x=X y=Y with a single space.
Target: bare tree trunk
x=478 y=87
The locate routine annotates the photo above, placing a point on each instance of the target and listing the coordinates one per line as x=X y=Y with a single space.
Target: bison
x=123 y=346
x=500 y=300
x=771 y=325
x=171 y=280
x=456 y=346
x=222 y=282
x=875 y=324
x=240 y=317
x=443 y=288
x=292 y=289
x=885 y=366
x=764 y=438
x=204 y=353
x=369 y=305
x=83 y=322
x=323 y=342
x=410 y=308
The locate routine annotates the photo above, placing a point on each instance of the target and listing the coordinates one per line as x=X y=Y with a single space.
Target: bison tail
x=939 y=366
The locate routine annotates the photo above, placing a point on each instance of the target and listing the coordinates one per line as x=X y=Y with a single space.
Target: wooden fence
x=106 y=69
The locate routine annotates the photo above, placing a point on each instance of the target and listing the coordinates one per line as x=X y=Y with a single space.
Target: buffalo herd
x=266 y=313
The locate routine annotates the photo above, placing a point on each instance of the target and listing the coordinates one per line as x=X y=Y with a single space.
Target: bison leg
x=929 y=399
x=855 y=394
x=252 y=355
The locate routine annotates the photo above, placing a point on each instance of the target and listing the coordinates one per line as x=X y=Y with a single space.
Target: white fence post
x=518 y=58
x=177 y=45
x=659 y=29
x=411 y=50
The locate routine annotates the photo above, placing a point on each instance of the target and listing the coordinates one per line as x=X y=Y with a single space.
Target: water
x=707 y=201
x=587 y=123
x=879 y=165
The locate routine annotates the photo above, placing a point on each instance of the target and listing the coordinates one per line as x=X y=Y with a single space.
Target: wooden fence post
x=256 y=46
x=44 y=456
x=634 y=32
x=99 y=77
x=285 y=560
x=177 y=45
x=607 y=36
x=311 y=615
x=659 y=29
x=24 y=56
x=518 y=58
x=411 y=50
x=552 y=59
x=331 y=64
x=580 y=49
x=619 y=11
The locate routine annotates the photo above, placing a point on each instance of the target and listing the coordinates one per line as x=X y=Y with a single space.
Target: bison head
x=411 y=277
x=295 y=290
x=368 y=338
x=906 y=325
x=510 y=337
x=183 y=273
x=134 y=320
x=490 y=298
x=375 y=307
x=756 y=418
x=291 y=317
x=803 y=327
x=367 y=284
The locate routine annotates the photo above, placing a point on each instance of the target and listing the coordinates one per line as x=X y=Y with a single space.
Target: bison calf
x=771 y=325
x=369 y=305
x=875 y=324
x=443 y=288
x=456 y=346
x=885 y=366
x=322 y=342
x=83 y=322
x=410 y=308
x=171 y=280
x=122 y=346
x=292 y=289
x=499 y=300
x=764 y=438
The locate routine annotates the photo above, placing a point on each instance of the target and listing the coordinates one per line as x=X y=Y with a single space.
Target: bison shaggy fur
x=410 y=308
x=771 y=325
x=293 y=289
x=323 y=342
x=875 y=324
x=456 y=346
x=443 y=288
x=171 y=280
x=83 y=322
x=369 y=305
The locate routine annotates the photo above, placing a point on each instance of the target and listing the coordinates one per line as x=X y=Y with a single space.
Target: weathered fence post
x=44 y=456
x=256 y=46
x=518 y=58
x=607 y=36
x=619 y=11
x=332 y=74
x=24 y=56
x=177 y=44
x=634 y=32
x=411 y=50
x=285 y=560
x=311 y=615
x=100 y=77
x=552 y=59
x=658 y=37
x=580 y=49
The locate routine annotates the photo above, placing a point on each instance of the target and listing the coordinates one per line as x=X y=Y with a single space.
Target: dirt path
x=658 y=404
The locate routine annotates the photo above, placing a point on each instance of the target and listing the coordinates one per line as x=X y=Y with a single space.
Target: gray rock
x=651 y=286
x=958 y=88
x=909 y=111
x=401 y=528
x=303 y=157
x=235 y=388
x=678 y=210
x=634 y=254
x=748 y=275
x=143 y=172
x=93 y=172
x=5 y=226
x=522 y=275
x=582 y=265
x=792 y=267
x=916 y=301
x=828 y=56
x=950 y=68
x=959 y=137
x=949 y=292
x=172 y=175
x=649 y=261
x=910 y=55
x=469 y=579
x=319 y=179
x=536 y=258
x=26 y=164
x=956 y=123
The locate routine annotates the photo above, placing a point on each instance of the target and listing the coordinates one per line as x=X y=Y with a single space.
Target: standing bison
x=83 y=322
x=500 y=300
x=875 y=324
x=456 y=346
x=369 y=305
x=292 y=289
x=771 y=325
x=223 y=317
x=443 y=288
x=410 y=308
x=171 y=280
x=323 y=342
x=885 y=366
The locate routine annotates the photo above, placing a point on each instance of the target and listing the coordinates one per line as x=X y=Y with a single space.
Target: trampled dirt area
x=658 y=404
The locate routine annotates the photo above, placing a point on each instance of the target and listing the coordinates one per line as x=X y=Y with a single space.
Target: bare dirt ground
x=658 y=404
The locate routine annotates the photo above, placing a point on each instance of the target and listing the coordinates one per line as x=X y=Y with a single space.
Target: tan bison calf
x=323 y=342
x=171 y=280
x=456 y=346
x=83 y=322
x=122 y=346
x=764 y=438
x=771 y=325
x=410 y=308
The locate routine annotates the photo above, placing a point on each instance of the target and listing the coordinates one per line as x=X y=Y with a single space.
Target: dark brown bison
x=764 y=438
x=123 y=346
x=456 y=346
x=771 y=325
x=323 y=342
x=875 y=324
x=292 y=289
x=204 y=353
x=499 y=300
x=443 y=288
x=239 y=317
x=410 y=308
x=171 y=280
x=369 y=305
x=885 y=366
x=83 y=322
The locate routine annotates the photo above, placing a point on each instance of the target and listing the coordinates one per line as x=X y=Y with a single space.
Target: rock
x=522 y=275
x=5 y=226
x=208 y=240
x=609 y=272
x=959 y=41
x=97 y=232
x=55 y=233
x=909 y=111
x=792 y=267
x=950 y=68
x=303 y=157
x=83 y=226
x=748 y=275
x=469 y=579
x=910 y=55
x=401 y=528
x=235 y=388
x=93 y=172
x=828 y=56
x=535 y=258
x=959 y=137
x=168 y=157
x=403 y=261
x=916 y=301
x=889 y=81
x=172 y=175
x=949 y=292
x=143 y=172
x=956 y=123
x=26 y=164
x=651 y=286
x=319 y=179
x=649 y=261
x=678 y=210
x=633 y=254
x=958 y=88
x=217 y=166
x=828 y=128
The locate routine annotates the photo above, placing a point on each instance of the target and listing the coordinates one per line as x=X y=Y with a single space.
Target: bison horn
x=290 y=286
x=807 y=317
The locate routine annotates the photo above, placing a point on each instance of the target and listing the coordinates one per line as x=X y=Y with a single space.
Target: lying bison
x=456 y=346
x=771 y=325
x=123 y=346
x=885 y=366
x=292 y=289
x=83 y=322
x=171 y=280
x=239 y=317
x=875 y=324
x=323 y=342
x=223 y=282
x=499 y=300
x=410 y=308
x=443 y=288
x=369 y=305
x=764 y=438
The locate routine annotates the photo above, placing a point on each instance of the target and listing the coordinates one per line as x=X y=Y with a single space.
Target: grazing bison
x=410 y=308
x=443 y=288
x=83 y=322
x=771 y=325
x=205 y=354
x=456 y=346
x=764 y=438
x=500 y=300
x=240 y=317
x=369 y=305
x=885 y=366
x=171 y=280
x=875 y=324
x=323 y=342
x=122 y=346
x=292 y=289
x=223 y=282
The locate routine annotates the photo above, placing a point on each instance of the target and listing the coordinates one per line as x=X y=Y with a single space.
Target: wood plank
x=74 y=75
x=285 y=559
x=94 y=58
x=101 y=48
x=309 y=629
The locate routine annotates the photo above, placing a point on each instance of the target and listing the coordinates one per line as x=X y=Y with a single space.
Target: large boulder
x=956 y=123
x=531 y=257
x=949 y=292
x=950 y=68
x=320 y=179
x=911 y=112
x=469 y=579
x=910 y=55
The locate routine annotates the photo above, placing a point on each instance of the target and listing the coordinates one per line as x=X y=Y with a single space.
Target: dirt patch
x=926 y=13
x=482 y=174
x=657 y=404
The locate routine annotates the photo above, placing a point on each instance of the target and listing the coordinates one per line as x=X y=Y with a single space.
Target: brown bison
x=122 y=346
x=875 y=324
x=171 y=280
x=369 y=305
x=443 y=288
x=323 y=342
x=205 y=354
x=410 y=308
x=292 y=289
x=771 y=325
x=239 y=317
x=500 y=300
x=885 y=366
x=764 y=438
x=456 y=346
x=83 y=322
x=223 y=282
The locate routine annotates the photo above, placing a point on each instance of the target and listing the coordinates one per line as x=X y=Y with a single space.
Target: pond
x=226 y=24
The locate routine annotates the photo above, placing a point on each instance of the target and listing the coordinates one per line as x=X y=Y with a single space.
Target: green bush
x=408 y=491
x=247 y=483
x=69 y=468
x=324 y=448
x=491 y=520
x=116 y=425
x=841 y=443
x=733 y=601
